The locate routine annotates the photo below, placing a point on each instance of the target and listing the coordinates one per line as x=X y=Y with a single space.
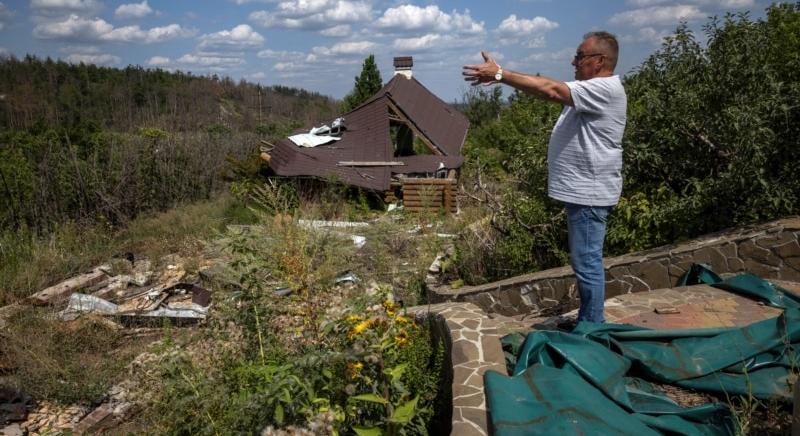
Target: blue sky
x=319 y=45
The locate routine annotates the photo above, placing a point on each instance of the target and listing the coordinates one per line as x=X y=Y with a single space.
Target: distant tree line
x=96 y=144
x=56 y=93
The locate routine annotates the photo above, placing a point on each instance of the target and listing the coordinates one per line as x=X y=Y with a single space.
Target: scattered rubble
x=64 y=289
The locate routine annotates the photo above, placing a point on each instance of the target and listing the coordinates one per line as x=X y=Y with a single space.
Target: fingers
x=486 y=57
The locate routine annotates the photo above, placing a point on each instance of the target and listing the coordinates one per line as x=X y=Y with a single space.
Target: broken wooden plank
x=67 y=287
x=356 y=163
x=415 y=181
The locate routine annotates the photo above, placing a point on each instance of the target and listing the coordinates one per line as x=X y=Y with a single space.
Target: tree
x=366 y=85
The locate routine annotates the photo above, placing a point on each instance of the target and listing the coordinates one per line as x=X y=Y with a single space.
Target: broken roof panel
x=443 y=125
x=369 y=126
x=366 y=138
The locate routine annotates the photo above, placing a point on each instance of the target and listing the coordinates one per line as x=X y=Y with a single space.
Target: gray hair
x=607 y=43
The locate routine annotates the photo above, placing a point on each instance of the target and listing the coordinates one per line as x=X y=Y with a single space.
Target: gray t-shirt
x=585 y=151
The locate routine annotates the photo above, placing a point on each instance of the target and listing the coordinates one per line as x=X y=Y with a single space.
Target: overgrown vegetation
x=30 y=261
x=47 y=93
x=102 y=145
x=710 y=144
x=328 y=358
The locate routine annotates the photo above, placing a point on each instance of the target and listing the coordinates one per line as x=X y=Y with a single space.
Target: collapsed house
x=404 y=142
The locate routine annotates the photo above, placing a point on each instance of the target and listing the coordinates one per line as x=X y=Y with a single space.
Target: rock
x=11 y=430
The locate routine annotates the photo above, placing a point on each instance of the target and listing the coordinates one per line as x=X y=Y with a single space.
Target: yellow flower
x=353 y=318
x=402 y=338
x=390 y=307
x=359 y=328
x=402 y=319
x=355 y=369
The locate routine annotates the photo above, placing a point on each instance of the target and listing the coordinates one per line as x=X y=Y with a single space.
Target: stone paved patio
x=475 y=335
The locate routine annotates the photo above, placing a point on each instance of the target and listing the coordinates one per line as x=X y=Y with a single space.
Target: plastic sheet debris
x=190 y=311
x=347 y=278
x=282 y=292
x=182 y=300
x=359 y=241
x=308 y=140
x=316 y=224
x=81 y=304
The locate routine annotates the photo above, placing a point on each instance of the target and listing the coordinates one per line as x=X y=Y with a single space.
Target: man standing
x=585 y=152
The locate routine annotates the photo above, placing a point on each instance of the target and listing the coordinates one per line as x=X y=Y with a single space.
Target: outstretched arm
x=542 y=87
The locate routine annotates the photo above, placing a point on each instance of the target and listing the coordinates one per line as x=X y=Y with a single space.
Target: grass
x=76 y=362
x=30 y=262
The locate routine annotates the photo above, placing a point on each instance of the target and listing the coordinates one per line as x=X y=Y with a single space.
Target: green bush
x=711 y=143
x=711 y=136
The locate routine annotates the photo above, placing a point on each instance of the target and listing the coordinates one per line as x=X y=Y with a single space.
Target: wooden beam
x=355 y=163
x=68 y=287
x=413 y=127
x=416 y=181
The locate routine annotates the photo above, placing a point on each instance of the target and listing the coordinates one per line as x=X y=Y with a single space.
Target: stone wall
x=473 y=348
x=770 y=250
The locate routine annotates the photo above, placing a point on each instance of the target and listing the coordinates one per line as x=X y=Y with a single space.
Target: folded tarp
x=595 y=380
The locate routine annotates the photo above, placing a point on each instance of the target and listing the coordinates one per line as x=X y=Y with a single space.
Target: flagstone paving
x=475 y=335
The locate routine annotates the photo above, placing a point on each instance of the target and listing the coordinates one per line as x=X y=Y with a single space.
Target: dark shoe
x=567 y=325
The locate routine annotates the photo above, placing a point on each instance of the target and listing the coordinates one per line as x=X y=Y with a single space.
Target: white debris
x=82 y=303
x=316 y=224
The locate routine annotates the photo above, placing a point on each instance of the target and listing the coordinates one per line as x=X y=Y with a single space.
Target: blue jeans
x=586 y=227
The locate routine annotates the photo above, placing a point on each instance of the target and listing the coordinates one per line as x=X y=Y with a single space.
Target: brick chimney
x=402 y=65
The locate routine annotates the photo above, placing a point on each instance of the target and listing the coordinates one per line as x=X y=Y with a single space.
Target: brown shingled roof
x=367 y=138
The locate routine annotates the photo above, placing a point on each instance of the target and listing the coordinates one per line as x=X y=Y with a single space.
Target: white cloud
x=646 y=3
x=658 y=15
x=560 y=55
x=97 y=59
x=647 y=35
x=158 y=61
x=257 y=76
x=133 y=10
x=281 y=55
x=286 y=66
x=411 y=17
x=76 y=28
x=313 y=14
x=416 y=44
x=339 y=31
x=240 y=37
x=220 y=62
x=345 y=49
x=5 y=16
x=60 y=6
x=735 y=4
x=156 y=34
x=4 y=52
x=513 y=26
x=718 y=4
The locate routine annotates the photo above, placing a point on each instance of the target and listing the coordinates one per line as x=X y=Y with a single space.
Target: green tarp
x=596 y=380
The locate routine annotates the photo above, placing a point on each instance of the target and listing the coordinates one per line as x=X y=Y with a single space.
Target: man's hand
x=483 y=73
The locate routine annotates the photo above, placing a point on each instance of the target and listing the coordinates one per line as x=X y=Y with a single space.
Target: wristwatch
x=498 y=76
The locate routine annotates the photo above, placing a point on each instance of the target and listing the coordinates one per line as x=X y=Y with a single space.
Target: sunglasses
x=580 y=57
